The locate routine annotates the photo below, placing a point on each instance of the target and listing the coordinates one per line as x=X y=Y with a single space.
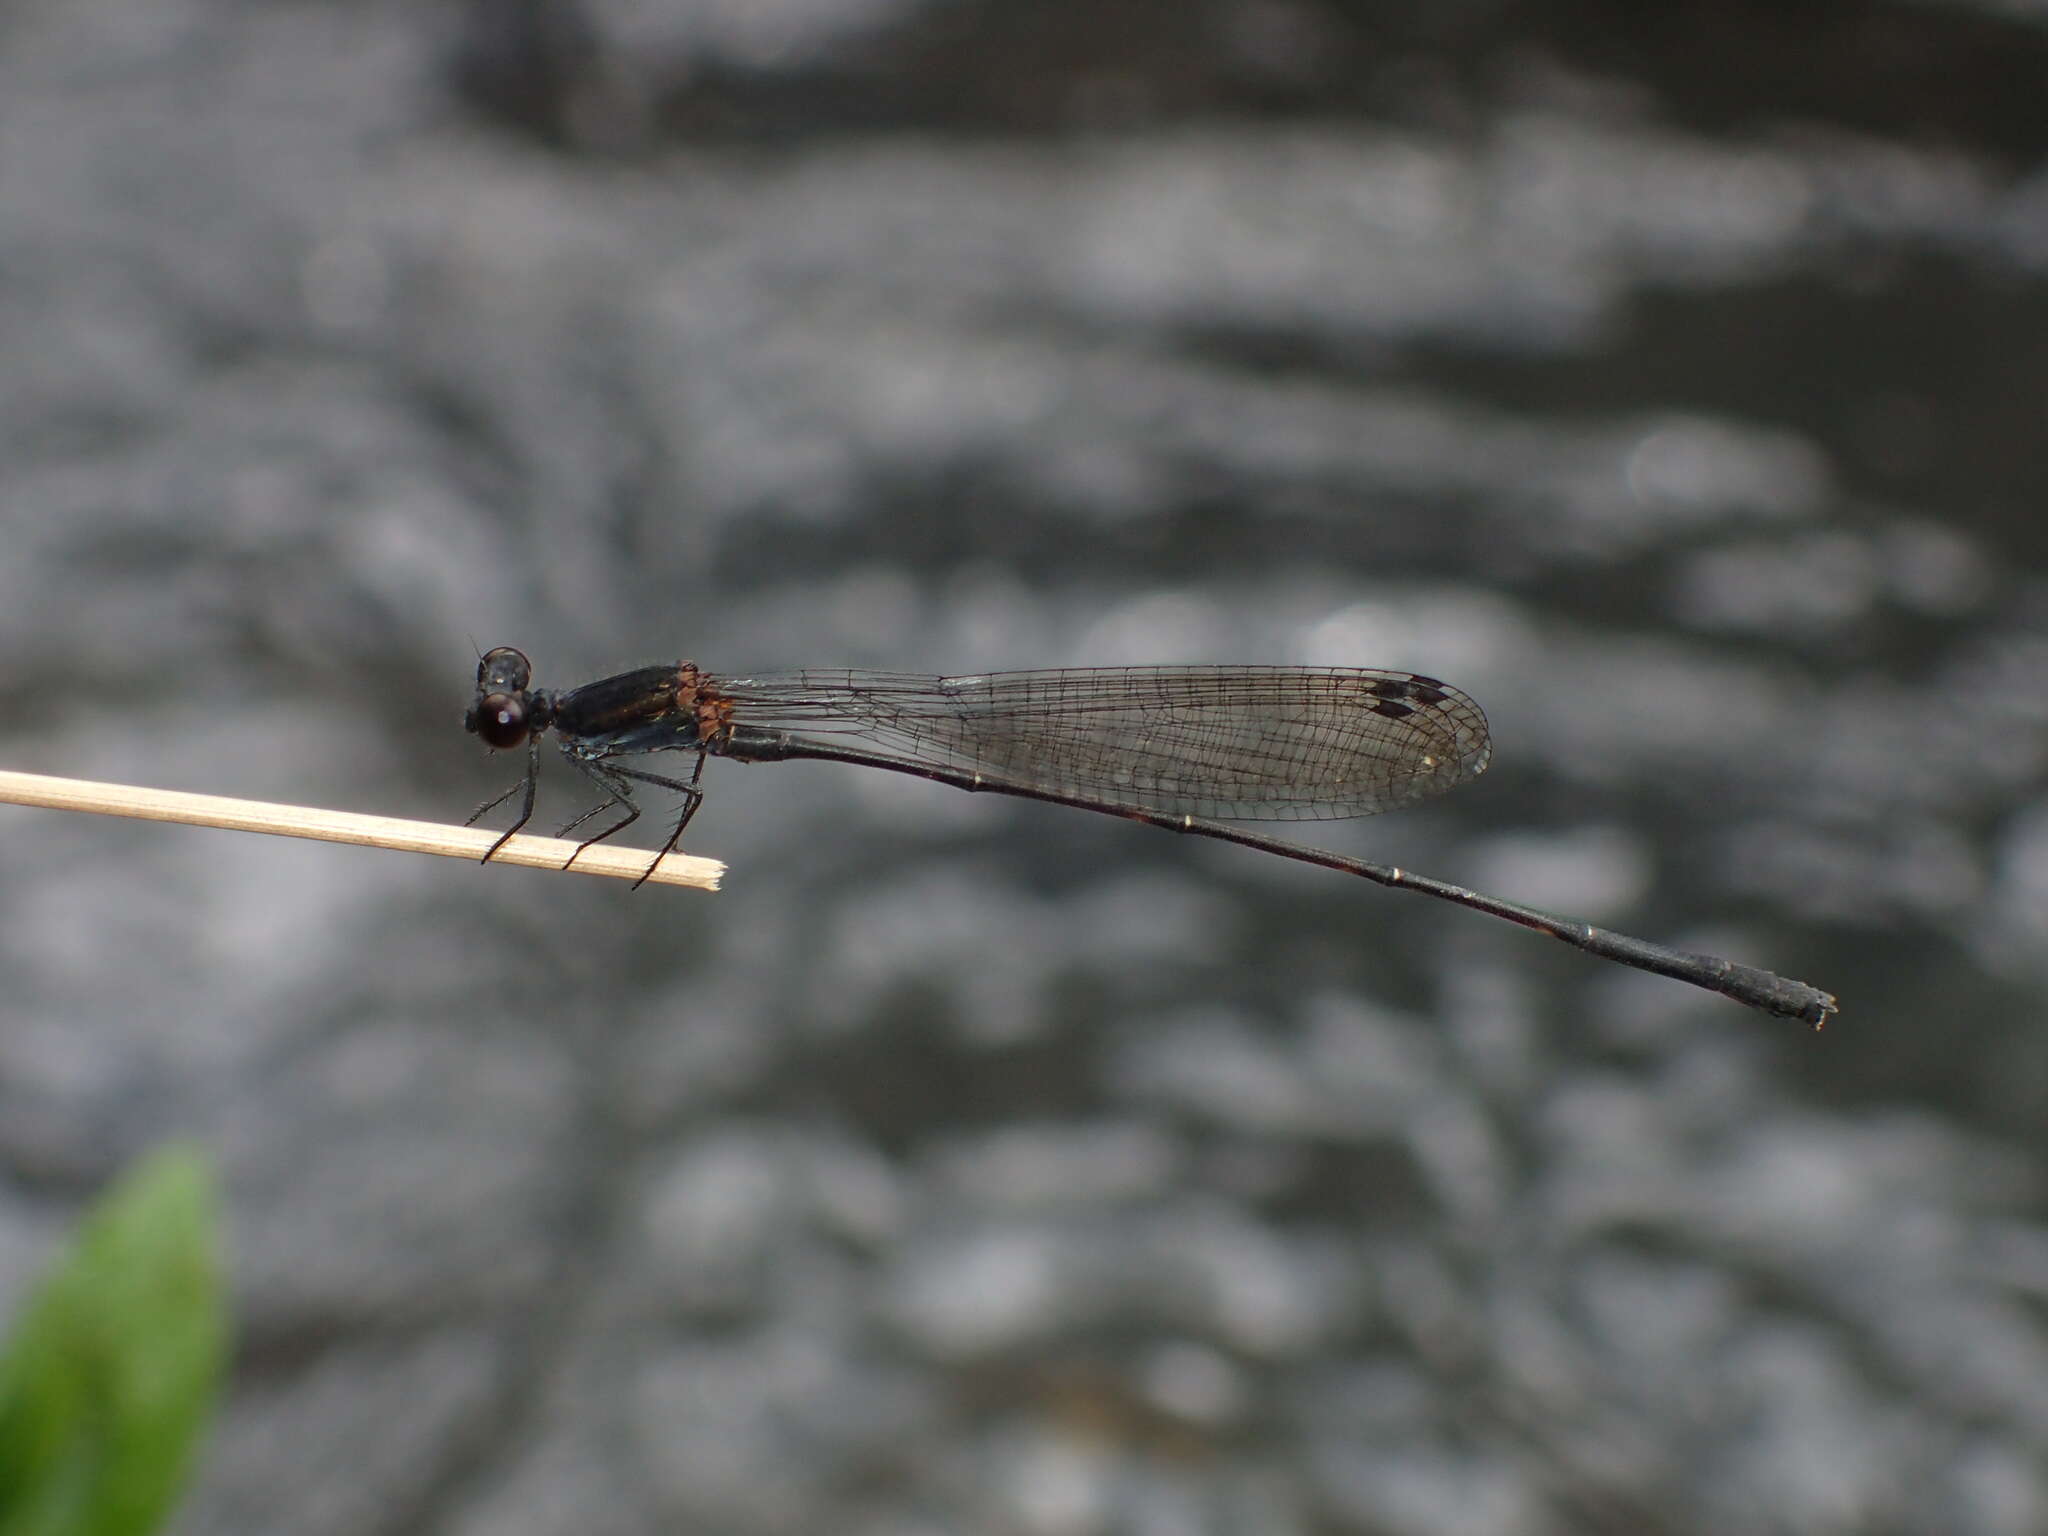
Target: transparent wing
x=1238 y=743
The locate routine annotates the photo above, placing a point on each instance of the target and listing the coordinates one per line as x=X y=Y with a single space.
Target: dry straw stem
x=347 y=827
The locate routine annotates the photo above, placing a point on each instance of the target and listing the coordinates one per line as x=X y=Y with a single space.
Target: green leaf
x=109 y=1378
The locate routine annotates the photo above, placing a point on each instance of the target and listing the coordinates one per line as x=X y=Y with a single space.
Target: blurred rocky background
x=1674 y=378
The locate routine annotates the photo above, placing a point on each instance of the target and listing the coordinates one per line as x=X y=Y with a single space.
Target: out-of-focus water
x=1674 y=386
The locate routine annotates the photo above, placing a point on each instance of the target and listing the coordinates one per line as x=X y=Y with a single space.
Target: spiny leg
x=611 y=799
x=692 y=798
x=526 y=806
x=616 y=792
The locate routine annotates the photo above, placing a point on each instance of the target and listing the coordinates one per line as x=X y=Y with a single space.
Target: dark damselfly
x=1190 y=749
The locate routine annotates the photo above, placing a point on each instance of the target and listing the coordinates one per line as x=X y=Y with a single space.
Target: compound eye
x=500 y=718
x=503 y=670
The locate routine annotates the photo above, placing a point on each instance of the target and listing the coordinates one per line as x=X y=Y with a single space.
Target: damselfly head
x=502 y=711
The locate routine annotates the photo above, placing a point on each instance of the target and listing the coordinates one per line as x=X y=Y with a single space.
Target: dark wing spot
x=1426 y=691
